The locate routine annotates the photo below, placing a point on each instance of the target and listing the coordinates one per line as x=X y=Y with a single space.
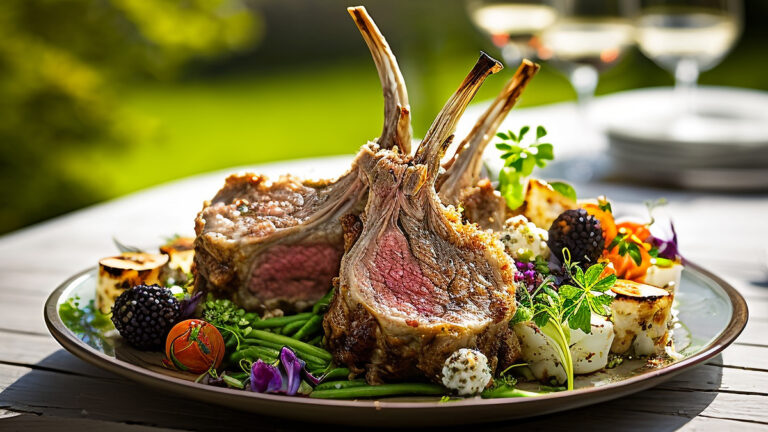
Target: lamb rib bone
x=464 y=170
x=418 y=284
x=397 y=116
x=275 y=246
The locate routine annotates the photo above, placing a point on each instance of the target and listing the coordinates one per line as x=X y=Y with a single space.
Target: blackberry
x=580 y=233
x=145 y=314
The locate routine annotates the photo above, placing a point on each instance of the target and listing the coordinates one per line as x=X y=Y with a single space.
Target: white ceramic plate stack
x=723 y=146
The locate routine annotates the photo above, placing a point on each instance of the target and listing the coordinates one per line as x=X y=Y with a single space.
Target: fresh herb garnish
x=628 y=243
x=87 y=322
x=564 y=189
x=519 y=161
x=558 y=311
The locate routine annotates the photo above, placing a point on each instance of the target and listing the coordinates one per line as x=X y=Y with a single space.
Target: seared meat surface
x=418 y=283
x=275 y=246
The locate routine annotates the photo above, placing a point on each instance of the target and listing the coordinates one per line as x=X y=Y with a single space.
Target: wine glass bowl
x=512 y=25
x=587 y=38
x=687 y=37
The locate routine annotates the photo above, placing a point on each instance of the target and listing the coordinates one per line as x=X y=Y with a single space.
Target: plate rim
x=70 y=342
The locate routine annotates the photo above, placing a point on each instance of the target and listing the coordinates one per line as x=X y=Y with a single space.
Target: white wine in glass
x=688 y=37
x=588 y=37
x=513 y=26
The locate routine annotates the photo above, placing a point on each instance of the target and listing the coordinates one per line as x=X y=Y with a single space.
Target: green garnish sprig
x=558 y=311
x=519 y=161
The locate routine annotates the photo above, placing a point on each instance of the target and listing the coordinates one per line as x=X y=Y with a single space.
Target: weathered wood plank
x=743 y=356
x=755 y=333
x=712 y=377
x=13 y=421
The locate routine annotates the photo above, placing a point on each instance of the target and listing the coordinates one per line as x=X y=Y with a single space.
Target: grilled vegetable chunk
x=543 y=204
x=641 y=315
x=181 y=254
x=122 y=272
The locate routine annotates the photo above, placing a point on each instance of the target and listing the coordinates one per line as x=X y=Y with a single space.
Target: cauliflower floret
x=539 y=353
x=588 y=351
x=467 y=372
x=523 y=240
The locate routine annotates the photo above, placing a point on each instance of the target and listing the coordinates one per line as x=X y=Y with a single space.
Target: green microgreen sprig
x=519 y=161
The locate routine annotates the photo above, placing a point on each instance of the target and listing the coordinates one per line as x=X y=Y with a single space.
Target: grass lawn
x=193 y=127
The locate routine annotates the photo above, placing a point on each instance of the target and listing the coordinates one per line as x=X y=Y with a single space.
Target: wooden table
x=44 y=387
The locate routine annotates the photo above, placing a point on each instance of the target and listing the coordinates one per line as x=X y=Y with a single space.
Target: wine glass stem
x=686 y=78
x=584 y=80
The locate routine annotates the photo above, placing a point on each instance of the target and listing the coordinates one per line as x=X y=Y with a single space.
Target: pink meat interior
x=299 y=272
x=399 y=281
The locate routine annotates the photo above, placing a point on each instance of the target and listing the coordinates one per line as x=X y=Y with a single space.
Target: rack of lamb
x=276 y=246
x=461 y=184
x=416 y=283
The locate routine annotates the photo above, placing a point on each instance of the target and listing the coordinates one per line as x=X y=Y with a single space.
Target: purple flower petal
x=665 y=242
x=265 y=378
x=292 y=367
x=189 y=305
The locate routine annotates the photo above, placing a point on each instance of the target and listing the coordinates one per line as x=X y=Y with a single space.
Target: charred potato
x=122 y=272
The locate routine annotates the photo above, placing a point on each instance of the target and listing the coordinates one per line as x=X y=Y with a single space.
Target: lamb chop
x=417 y=284
x=461 y=182
x=276 y=246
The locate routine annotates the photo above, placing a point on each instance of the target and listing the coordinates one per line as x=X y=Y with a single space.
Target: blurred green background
x=102 y=98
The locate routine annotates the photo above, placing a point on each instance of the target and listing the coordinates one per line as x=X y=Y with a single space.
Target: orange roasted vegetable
x=194 y=346
x=635 y=260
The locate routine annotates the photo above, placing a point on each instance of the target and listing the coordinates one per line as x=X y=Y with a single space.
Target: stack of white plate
x=721 y=142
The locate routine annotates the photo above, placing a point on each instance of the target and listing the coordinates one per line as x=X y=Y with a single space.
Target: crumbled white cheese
x=467 y=372
x=523 y=240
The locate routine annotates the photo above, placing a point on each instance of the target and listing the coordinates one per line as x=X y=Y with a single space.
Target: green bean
x=367 y=391
x=290 y=328
x=251 y=342
x=510 y=393
x=298 y=346
x=280 y=321
x=336 y=373
x=330 y=385
x=312 y=325
x=253 y=352
x=230 y=341
x=233 y=382
x=323 y=302
x=311 y=360
x=238 y=375
x=317 y=340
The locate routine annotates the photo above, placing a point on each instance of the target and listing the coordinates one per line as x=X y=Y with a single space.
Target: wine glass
x=512 y=25
x=587 y=38
x=687 y=37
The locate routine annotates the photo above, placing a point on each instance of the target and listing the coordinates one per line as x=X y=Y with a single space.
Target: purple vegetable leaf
x=265 y=378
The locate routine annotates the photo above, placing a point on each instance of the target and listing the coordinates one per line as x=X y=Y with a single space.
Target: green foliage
x=87 y=322
x=519 y=161
x=564 y=189
x=61 y=60
x=628 y=244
